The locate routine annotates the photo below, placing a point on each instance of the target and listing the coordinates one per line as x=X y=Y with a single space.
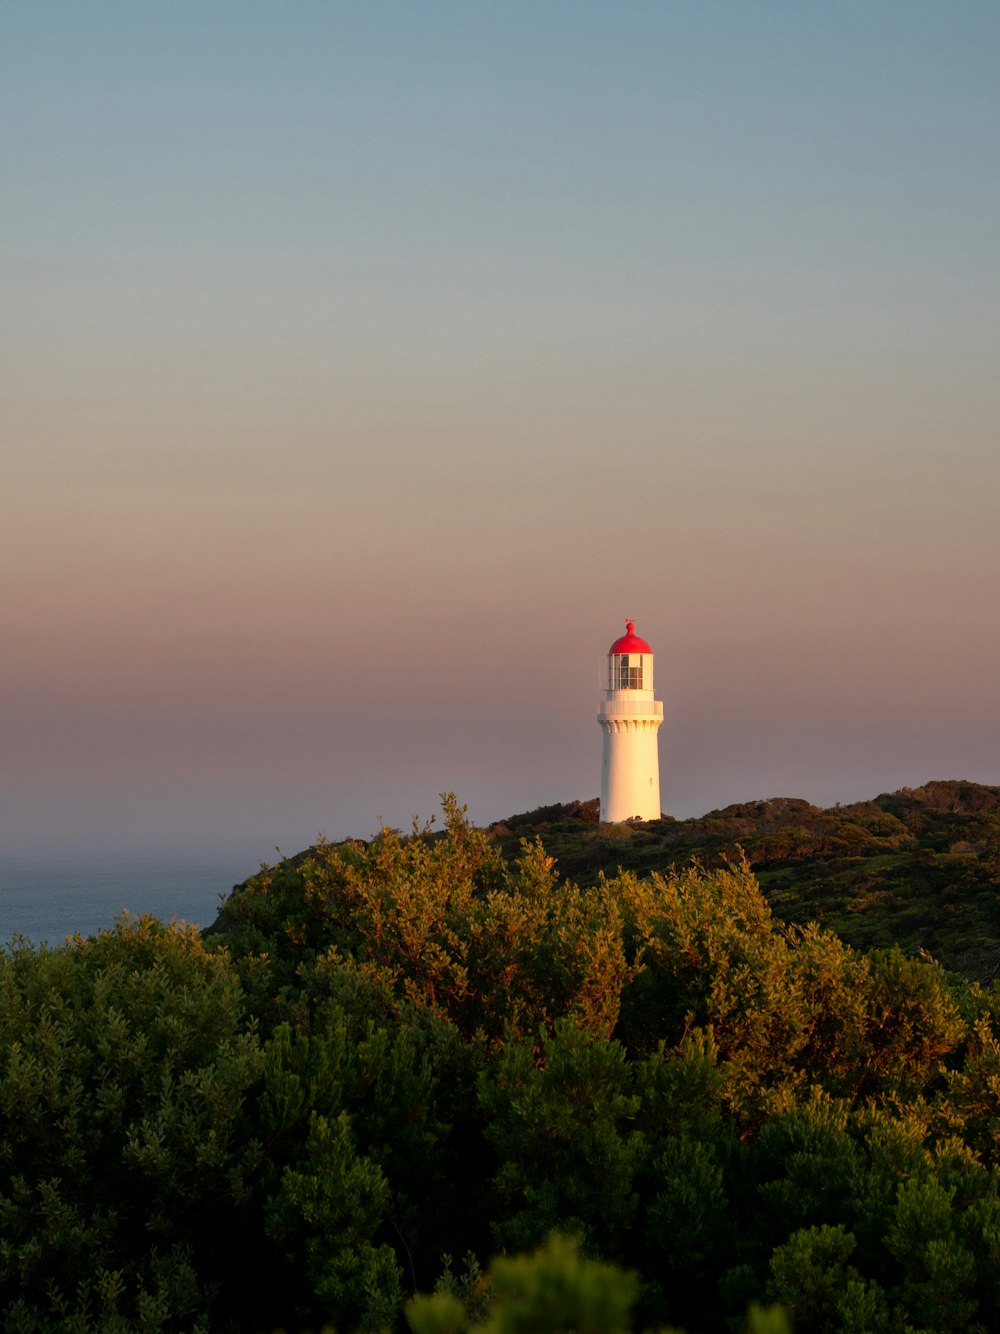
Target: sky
x=366 y=364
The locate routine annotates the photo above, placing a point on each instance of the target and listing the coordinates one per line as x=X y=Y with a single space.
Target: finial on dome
x=629 y=625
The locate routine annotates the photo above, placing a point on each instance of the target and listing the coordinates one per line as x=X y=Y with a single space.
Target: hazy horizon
x=368 y=365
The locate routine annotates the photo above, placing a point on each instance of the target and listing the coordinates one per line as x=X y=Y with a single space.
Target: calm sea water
x=47 y=898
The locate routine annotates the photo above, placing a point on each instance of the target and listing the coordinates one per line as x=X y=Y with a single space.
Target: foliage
x=126 y=1158
x=918 y=868
x=437 y=1044
x=556 y=1289
x=562 y=1129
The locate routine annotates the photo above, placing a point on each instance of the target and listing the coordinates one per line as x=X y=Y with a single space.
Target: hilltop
x=422 y=1047
x=918 y=868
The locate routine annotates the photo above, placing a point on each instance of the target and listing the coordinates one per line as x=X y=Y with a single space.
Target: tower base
x=630 y=769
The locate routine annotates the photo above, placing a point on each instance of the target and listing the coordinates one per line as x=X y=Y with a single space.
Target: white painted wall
x=630 y=768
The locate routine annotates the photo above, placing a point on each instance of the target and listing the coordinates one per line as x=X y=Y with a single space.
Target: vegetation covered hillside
x=918 y=868
x=393 y=1061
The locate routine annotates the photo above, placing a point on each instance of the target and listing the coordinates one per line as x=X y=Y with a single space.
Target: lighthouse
x=630 y=719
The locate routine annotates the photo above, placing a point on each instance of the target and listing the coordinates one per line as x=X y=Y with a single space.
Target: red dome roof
x=630 y=642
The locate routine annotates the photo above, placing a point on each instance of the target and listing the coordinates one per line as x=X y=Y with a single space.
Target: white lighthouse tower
x=630 y=718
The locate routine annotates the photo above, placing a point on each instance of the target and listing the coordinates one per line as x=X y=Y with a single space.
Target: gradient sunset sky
x=366 y=364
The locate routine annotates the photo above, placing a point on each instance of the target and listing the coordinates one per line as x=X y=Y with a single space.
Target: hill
x=396 y=1052
x=918 y=868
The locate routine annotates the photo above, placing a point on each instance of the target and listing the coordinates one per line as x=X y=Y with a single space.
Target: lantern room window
x=626 y=671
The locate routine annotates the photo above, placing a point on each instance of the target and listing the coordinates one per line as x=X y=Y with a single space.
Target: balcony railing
x=630 y=708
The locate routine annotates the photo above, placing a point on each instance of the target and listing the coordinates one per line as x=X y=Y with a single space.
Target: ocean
x=48 y=897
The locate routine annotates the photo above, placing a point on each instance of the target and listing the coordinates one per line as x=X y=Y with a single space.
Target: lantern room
x=630 y=662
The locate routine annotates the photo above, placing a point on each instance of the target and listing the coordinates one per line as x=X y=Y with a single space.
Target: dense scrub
x=391 y=1062
x=918 y=868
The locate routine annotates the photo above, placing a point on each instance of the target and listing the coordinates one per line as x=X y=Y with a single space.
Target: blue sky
x=369 y=363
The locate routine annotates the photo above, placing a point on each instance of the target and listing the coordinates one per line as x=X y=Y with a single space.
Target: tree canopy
x=389 y=1063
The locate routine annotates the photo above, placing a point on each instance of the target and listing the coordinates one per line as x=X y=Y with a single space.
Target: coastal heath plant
x=126 y=1165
